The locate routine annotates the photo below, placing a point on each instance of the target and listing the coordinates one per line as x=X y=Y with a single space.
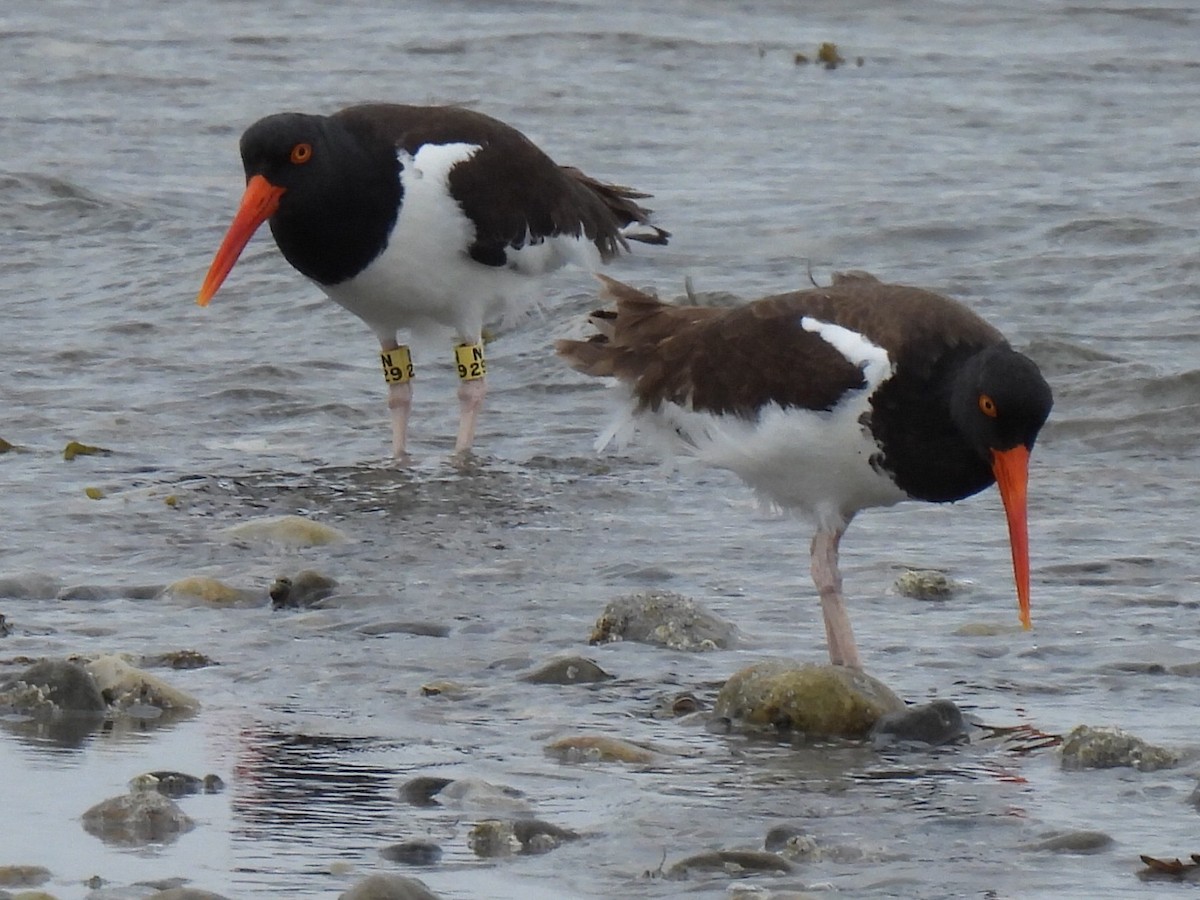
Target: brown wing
x=738 y=360
x=512 y=191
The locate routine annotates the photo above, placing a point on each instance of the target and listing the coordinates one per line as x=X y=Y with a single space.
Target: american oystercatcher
x=420 y=219
x=829 y=401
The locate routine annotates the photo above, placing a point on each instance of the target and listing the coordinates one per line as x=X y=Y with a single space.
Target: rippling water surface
x=1037 y=159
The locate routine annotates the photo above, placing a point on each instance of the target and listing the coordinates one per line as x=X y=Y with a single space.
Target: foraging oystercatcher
x=828 y=401
x=419 y=218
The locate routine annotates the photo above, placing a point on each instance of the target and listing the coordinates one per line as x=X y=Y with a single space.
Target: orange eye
x=301 y=153
x=987 y=406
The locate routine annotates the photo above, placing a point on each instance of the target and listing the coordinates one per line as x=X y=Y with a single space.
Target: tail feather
x=608 y=353
x=639 y=342
x=591 y=357
x=633 y=219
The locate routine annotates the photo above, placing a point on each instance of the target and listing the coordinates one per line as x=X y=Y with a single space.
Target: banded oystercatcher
x=423 y=219
x=829 y=401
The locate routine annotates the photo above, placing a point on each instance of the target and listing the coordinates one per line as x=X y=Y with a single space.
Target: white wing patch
x=874 y=361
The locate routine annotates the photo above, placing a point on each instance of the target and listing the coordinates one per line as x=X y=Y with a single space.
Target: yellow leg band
x=471 y=364
x=397 y=365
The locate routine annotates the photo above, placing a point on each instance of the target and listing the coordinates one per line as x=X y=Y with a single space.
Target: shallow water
x=1036 y=159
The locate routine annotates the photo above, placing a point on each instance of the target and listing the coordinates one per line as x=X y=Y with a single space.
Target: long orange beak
x=258 y=204
x=1011 y=468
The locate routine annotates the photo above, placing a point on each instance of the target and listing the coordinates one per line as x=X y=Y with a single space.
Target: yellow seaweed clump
x=75 y=448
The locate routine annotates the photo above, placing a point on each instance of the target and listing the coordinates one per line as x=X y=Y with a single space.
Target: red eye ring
x=301 y=153
x=987 y=406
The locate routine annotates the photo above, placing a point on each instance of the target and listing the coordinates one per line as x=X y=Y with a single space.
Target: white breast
x=425 y=279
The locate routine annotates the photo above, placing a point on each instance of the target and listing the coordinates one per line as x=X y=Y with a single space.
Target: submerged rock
x=200 y=590
x=738 y=863
x=142 y=817
x=817 y=701
x=180 y=659
x=1073 y=842
x=176 y=784
x=925 y=584
x=791 y=839
x=985 y=629
x=301 y=590
x=933 y=724
x=23 y=876
x=422 y=790
x=185 y=893
x=571 y=670
x=413 y=853
x=451 y=690
x=420 y=629
x=286 y=531
x=389 y=887
x=29 y=586
x=1104 y=748
x=462 y=793
x=95 y=592
x=75 y=448
x=128 y=689
x=497 y=837
x=663 y=618
x=795 y=843
x=52 y=687
x=599 y=748
x=675 y=706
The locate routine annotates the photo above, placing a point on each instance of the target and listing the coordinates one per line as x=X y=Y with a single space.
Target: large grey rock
x=136 y=819
x=53 y=685
x=817 y=701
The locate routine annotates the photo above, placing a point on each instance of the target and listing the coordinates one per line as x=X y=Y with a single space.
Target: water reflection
x=295 y=787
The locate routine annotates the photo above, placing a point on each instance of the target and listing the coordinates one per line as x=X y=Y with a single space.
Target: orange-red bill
x=1011 y=468
x=258 y=204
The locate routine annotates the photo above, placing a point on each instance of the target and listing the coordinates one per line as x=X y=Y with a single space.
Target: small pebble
x=925 y=584
x=572 y=670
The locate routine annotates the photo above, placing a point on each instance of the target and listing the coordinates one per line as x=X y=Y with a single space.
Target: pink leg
x=400 y=395
x=470 y=402
x=838 y=633
x=400 y=405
